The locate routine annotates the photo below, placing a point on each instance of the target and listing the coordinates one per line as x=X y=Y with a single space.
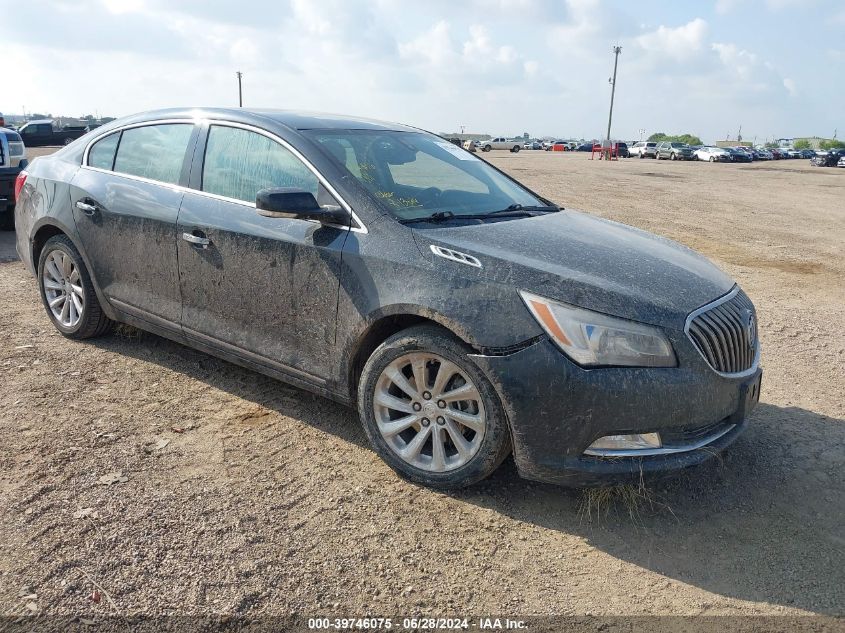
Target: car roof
x=293 y=119
x=40 y=121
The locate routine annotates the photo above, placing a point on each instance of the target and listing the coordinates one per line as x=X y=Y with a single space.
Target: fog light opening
x=636 y=441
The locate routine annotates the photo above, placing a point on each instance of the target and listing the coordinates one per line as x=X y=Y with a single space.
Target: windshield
x=414 y=175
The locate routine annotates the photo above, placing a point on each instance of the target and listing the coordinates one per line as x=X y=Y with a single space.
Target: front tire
x=487 y=148
x=429 y=411
x=67 y=292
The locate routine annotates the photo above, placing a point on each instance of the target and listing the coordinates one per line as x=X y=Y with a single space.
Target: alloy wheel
x=63 y=288
x=429 y=412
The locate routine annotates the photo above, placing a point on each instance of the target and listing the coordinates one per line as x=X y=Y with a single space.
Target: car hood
x=589 y=262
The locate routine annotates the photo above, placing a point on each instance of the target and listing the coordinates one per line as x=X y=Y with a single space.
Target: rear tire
x=55 y=281
x=515 y=149
x=443 y=364
x=487 y=148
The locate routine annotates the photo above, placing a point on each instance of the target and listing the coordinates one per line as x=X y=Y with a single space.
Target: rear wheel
x=67 y=292
x=67 y=141
x=712 y=159
x=515 y=149
x=673 y=156
x=487 y=148
x=430 y=412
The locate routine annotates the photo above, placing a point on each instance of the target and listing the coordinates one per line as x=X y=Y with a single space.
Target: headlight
x=594 y=339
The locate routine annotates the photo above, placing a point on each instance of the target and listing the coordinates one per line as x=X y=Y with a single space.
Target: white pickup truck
x=501 y=143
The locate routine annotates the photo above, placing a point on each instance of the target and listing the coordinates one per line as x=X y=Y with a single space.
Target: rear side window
x=239 y=163
x=154 y=151
x=101 y=154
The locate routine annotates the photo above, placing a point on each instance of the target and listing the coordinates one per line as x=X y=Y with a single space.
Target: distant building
x=732 y=144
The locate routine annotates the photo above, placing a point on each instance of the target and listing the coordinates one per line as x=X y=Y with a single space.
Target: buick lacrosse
x=463 y=315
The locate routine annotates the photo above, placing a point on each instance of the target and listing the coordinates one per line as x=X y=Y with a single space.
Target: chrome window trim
x=723 y=299
x=665 y=450
x=359 y=226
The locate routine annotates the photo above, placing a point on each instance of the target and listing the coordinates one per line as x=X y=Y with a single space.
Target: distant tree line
x=832 y=143
x=803 y=143
x=689 y=139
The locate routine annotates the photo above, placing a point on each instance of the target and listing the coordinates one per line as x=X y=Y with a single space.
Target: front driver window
x=239 y=163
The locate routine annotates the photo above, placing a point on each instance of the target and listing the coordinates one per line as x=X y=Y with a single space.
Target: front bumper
x=557 y=410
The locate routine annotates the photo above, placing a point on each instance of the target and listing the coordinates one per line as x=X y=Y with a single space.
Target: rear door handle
x=196 y=240
x=87 y=209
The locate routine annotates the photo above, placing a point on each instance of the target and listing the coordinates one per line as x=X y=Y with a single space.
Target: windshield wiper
x=514 y=211
x=438 y=216
x=519 y=208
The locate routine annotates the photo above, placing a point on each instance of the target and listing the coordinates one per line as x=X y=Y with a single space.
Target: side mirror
x=297 y=204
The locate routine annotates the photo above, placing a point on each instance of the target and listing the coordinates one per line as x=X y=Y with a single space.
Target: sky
x=503 y=67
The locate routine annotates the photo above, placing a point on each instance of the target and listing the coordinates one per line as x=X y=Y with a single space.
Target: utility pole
x=642 y=131
x=616 y=51
x=240 y=90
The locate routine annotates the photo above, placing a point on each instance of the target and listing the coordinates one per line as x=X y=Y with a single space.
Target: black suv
x=463 y=315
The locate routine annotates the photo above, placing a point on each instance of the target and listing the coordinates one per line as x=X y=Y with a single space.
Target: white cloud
x=433 y=46
x=676 y=43
x=739 y=61
x=790 y=86
x=726 y=6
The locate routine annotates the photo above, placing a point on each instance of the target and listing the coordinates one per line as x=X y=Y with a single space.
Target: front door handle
x=196 y=240
x=87 y=209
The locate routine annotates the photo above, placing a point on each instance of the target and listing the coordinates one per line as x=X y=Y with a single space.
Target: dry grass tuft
x=597 y=503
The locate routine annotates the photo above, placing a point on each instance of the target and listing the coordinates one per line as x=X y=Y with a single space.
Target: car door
x=125 y=201
x=265 y=289
x=36 y=134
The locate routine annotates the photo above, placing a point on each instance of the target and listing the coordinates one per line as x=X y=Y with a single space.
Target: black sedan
x=464 y=316
x=738 y=156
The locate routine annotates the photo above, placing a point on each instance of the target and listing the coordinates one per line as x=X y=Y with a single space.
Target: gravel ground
x=236 y=494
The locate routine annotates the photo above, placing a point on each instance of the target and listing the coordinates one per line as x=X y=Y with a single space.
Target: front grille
x=725 y=332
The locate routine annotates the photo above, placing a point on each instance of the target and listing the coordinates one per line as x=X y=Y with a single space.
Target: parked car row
x=663 y=150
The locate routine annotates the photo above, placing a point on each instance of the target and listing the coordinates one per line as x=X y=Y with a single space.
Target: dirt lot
x=245 y=496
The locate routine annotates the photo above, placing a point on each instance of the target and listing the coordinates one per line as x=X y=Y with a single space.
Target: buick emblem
x=750 y=328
